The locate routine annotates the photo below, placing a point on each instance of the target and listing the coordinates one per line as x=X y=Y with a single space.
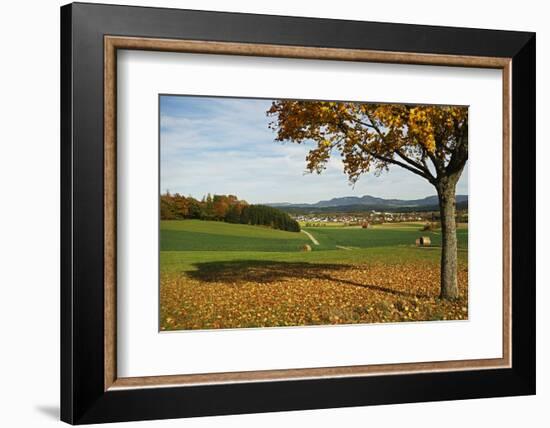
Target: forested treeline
x=226 y=208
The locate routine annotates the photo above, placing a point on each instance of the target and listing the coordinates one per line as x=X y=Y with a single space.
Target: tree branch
x=436 y=163
x=373 y=126
x=401 y=164
x=459 y=156
x=414 y=166
x=421 y=167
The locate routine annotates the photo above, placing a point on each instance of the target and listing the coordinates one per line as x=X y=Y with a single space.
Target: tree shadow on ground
x=266 y=272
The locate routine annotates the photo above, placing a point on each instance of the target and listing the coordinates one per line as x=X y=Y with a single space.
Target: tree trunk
x=447 y=208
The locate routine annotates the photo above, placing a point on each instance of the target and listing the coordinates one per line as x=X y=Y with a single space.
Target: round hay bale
x=425 y=241
x=305 y=247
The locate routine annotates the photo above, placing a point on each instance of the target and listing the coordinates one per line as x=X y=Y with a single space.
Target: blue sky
x=224 y=146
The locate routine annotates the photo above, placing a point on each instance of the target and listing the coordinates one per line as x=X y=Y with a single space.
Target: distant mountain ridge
x=371 y=201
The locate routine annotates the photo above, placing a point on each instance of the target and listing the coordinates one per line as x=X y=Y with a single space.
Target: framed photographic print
x=265 y=213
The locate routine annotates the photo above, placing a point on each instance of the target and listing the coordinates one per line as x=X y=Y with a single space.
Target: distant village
x=368 y=218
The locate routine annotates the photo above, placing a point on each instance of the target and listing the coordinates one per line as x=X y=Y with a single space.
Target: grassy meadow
x=222 y=275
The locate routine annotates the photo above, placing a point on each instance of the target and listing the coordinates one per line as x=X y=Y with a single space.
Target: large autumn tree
x=429 y=141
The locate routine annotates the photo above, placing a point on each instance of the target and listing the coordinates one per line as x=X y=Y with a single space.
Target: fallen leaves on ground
x=298 y=294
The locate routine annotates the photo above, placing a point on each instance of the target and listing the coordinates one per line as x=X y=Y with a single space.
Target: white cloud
x=226 y=147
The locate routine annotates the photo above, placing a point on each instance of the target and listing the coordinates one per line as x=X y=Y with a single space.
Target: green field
x=185 y=244
x=378 y=236
x=200 y=235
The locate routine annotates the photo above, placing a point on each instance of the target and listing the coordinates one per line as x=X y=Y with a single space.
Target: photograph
x=287 y=212
x=260 y=212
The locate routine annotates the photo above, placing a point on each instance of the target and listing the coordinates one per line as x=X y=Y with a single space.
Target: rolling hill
x=368 y=203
